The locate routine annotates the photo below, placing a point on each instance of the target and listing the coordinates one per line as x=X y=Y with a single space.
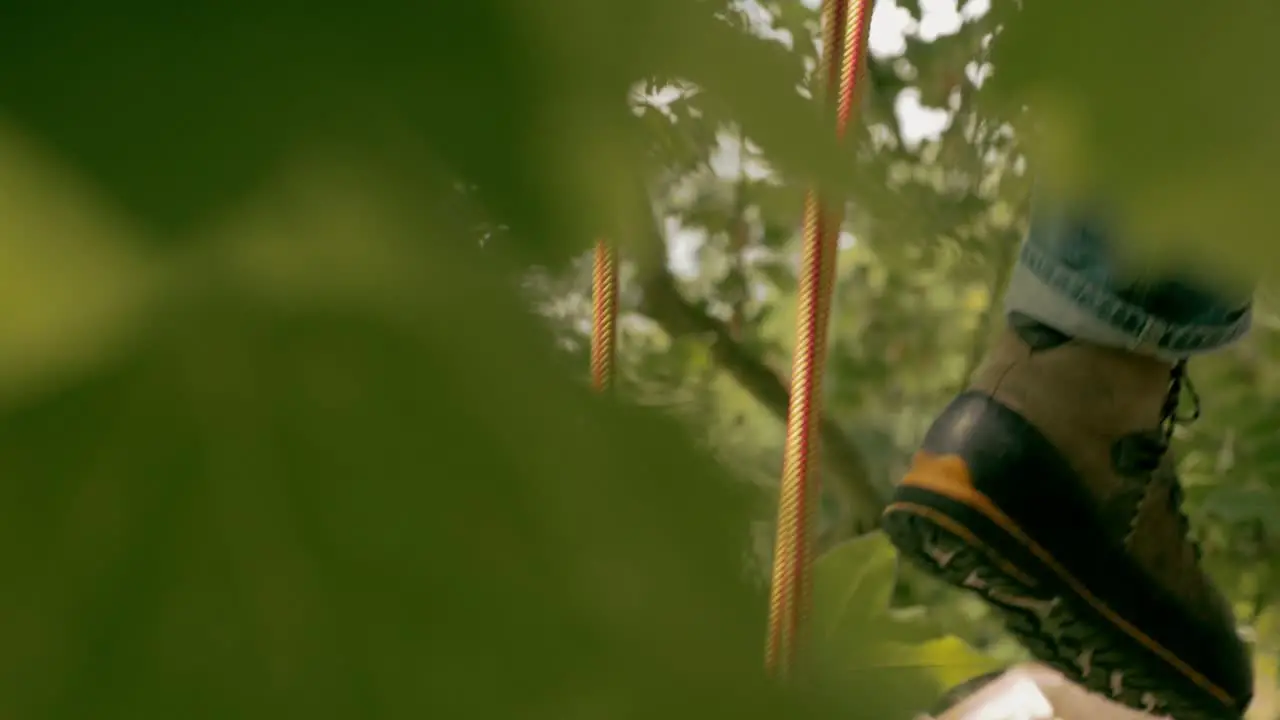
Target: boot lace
x=1140 y=454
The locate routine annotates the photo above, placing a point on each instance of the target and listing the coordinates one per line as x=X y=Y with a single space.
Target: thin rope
x=844 y=28
x=604 y=316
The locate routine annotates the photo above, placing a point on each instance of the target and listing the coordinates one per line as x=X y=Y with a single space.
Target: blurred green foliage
x=293 y=309
x=1168 y=111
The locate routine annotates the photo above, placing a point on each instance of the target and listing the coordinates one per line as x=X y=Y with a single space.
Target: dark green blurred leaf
x=186 y=112
x=1183 y=141
x=281 y=506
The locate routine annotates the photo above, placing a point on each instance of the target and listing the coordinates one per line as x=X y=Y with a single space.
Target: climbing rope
x=604 y=315
x=844 y=25
x=844 y=33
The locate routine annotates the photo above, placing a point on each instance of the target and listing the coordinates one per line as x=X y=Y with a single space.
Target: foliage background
x=293 y=310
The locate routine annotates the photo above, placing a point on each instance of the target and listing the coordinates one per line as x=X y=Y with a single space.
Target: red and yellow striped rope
x=604 y=315
x=844 y=31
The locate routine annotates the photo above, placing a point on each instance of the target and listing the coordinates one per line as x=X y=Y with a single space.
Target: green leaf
x=852 y=585
x=949 y=660
x=866 y=647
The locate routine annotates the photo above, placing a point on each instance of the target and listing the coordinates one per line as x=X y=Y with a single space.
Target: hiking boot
x=1047 y=488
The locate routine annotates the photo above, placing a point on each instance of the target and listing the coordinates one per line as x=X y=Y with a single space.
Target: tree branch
x=664 y=303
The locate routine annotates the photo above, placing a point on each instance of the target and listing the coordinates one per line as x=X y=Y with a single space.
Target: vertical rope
x=844 y=26
x=855 y=39
x=604 y=316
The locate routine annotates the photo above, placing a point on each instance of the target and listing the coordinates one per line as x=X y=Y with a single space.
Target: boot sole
x=1048 y=611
